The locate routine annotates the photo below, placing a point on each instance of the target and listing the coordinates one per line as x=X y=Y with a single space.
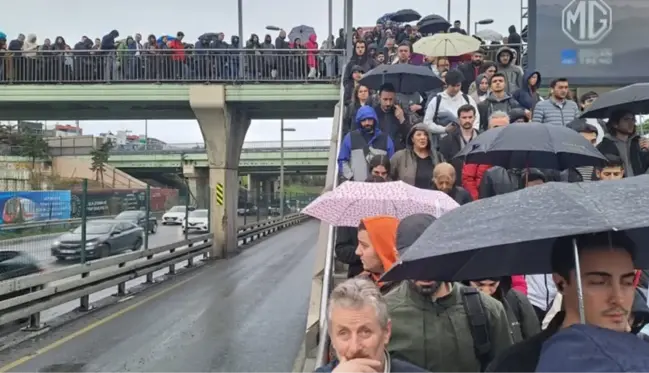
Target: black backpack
x=438 y=101
x=478 y=324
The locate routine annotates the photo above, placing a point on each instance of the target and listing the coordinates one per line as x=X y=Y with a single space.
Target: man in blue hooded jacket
x=361 y=144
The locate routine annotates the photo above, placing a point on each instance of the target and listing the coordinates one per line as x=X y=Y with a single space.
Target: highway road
x=40 y=249
x=243 y=314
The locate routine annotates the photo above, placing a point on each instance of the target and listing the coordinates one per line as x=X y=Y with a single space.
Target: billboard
x=590 y=42
x=28 y=206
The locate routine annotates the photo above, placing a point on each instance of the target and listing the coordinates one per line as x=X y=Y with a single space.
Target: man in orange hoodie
x=376 y=247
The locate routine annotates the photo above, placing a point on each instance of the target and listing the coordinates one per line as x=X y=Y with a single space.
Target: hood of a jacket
x=478 y=79
x=587 y=348
x=410 y=228
x=313 y=38
x=502 y=50
x=234 y=41
x=355 y=68
x=445 y=117
x=495 y=100
x=382 y=231
x=419 y=127
x=366 y=112
x=528 y=75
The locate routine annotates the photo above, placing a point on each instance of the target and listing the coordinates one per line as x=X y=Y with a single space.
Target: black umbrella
x=433 y=24
x=514 y=233
x=536 y=145
x=405 y=78
x=302 y=32
x=404 y=15
x=633 y=98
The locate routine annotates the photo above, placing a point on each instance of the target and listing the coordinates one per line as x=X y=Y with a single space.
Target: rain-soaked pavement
x=243 y=314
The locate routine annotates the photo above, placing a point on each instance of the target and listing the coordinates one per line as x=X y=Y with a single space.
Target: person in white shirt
x=541 y=292
x=450 y=100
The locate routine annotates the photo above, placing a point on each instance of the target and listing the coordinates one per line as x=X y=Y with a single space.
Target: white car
x=174 y=216
x=197 y=222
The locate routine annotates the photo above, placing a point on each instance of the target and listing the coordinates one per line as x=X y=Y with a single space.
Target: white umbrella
x=489 y=35
x=447 y=45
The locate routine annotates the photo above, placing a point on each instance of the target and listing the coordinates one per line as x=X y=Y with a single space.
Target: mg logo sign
x=587 y=22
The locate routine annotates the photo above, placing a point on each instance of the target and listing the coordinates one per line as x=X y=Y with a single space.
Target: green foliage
x=100 y=157
x=34 y=147
x=643 y=127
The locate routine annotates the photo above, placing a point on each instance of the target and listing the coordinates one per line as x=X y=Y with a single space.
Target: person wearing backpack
x=451 y=99
x=443 y=326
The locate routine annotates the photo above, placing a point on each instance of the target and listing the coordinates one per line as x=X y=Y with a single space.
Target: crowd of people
x=487 y=324
x=114 y=57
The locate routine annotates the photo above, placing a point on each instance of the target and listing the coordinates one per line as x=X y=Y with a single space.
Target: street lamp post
x=486 y=21
x=281 y=166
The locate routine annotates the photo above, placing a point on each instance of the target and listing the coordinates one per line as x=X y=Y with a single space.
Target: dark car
x=103 y=238
x=16 y=264
x=139 y=218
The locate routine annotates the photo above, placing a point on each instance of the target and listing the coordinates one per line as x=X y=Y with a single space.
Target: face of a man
x=607 y=279
x=357 y=333
x=488 y=286
x=365 y=250
x=466 y=119
x=610 y=173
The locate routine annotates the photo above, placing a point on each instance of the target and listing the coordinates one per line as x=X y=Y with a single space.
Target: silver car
x=103 y=238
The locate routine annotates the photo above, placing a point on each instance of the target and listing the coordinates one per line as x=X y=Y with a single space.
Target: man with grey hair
x=360 y=328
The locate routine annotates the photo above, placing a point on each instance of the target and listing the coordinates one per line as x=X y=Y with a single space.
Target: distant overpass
x=259 y=157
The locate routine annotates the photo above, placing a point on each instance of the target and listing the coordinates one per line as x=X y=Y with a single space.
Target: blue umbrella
x=3 y=36
x=169 y=37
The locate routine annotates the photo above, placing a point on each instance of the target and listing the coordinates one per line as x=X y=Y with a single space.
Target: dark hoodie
x=410 y=168
x=528 y=95
x=360 y=145
x=513 y=73
x=108 y=41
x=492 y=104
x=365 y=61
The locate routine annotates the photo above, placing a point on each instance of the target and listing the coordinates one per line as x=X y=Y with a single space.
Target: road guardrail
x=78 y=281
x=46 y=223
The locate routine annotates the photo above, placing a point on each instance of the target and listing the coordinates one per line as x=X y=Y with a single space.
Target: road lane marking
x=91 y=326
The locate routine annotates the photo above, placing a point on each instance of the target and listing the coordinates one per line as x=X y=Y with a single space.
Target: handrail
x=117 y=270
x=328 y=273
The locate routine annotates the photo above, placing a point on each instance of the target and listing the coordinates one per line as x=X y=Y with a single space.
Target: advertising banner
x=28 y=206
x=108 y=202
x=589 y=42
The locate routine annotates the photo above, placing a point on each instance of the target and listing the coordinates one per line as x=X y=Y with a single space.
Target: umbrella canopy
x=209 y=35
x=633 y=98
x=489 y=35
x=301 y=32
x=404 y=15
x=433 y=24
x=384 y=18
x=169 y=38
x=449 y=45
x=538 y=145
x=405 y=78
x=514 y=233
x=352 y=201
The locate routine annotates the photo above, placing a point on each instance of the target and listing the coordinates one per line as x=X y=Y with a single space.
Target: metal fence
x=189 y=65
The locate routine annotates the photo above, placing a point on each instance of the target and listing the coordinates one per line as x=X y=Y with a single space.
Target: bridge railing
x=170 y=65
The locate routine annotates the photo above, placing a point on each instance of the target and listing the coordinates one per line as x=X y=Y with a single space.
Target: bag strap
x=478 y=325
x=438 y=101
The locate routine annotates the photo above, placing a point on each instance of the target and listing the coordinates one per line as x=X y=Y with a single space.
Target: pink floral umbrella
x=352 y=201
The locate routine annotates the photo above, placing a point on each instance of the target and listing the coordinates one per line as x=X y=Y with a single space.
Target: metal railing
x=27 y=296
x=168 y=65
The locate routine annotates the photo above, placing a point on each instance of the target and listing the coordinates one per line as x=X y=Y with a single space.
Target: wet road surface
x=243 y=314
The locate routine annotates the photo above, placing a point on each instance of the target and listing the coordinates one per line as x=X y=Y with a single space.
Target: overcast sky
x=93 y=18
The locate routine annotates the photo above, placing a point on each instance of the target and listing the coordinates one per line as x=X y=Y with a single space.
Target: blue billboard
x=24 y=207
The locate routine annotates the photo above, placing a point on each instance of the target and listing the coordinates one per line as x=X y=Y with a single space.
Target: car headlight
x=89 y=244
x=56 y=243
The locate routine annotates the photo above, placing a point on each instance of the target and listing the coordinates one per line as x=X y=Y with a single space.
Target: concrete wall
x=73 y=145
x=79 y=167
x=16 y=173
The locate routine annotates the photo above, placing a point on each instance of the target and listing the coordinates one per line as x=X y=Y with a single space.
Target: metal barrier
x=170 y=65
x=33 y=295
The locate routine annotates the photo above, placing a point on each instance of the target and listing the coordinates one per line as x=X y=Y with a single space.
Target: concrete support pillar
x=198 y=184
x=224 y=130
x=254 y=187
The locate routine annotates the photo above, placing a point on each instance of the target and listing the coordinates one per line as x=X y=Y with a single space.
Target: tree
x=100 y=157
x=643 y=128
x=34 y=147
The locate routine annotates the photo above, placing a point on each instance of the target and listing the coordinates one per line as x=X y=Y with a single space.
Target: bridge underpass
x=220 y=317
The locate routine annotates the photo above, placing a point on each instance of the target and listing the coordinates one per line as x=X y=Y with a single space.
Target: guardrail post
x=121 y=287
x=34 y=322
x=84 y=301
x=147 y=228
x=172 y=267
x=190 y=260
